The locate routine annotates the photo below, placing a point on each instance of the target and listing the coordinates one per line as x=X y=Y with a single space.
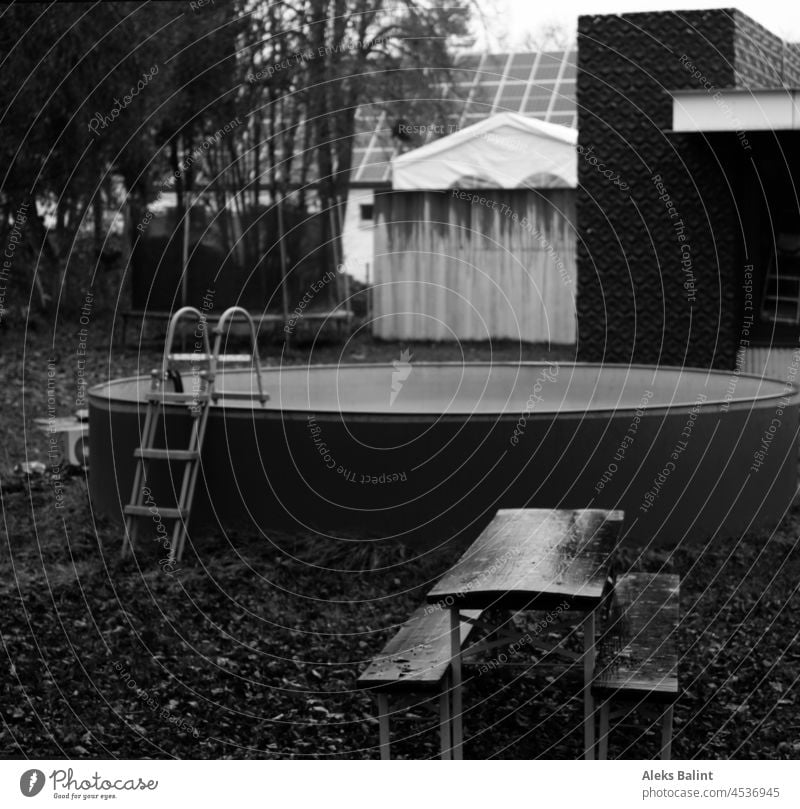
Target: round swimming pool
x=408 y=448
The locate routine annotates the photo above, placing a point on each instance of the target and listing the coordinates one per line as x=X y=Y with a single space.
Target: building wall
x=475 y=265
x=763 y=59
x=660 y=263
x=634 y=304
x=358 y=235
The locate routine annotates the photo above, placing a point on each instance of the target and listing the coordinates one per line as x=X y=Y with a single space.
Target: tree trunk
x=97 y=217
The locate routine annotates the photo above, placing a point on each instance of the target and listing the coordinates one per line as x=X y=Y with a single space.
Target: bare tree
x=551 y=35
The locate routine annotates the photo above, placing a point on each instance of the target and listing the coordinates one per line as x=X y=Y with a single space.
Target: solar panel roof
x=540 y=85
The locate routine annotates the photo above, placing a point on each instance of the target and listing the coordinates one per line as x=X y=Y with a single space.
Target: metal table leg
x=455 y=673
x=588 y=673
x=666 y=734
x=383 y=726
x=605 y=710
x=444 y=720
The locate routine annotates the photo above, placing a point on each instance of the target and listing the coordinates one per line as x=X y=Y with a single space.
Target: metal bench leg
x=444 y=720
x=588 y=674
x=666 y=735
x=383 y=724
x=455 y=668
x=605 y=710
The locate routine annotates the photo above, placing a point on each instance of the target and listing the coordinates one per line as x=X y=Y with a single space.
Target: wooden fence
x=475 y=264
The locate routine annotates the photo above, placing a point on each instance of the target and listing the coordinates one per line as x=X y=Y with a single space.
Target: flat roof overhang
x=735 y=110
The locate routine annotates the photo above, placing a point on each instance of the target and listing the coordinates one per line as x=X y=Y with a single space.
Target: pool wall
x=682 y=474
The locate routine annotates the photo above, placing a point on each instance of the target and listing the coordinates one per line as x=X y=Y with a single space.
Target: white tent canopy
x=506 y=150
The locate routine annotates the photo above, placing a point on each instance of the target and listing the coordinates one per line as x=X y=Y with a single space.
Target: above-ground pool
x=414 y=449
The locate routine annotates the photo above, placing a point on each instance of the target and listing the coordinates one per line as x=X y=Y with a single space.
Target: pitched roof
x=506 y=150
x=538 y=85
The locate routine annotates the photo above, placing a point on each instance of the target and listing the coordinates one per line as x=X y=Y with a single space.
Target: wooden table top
x=534 y=559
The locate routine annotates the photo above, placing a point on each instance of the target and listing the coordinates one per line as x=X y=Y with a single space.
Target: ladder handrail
x=229 y=314
x=172 y=328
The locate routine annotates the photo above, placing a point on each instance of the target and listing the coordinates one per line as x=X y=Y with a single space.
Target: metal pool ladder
x=198 y=400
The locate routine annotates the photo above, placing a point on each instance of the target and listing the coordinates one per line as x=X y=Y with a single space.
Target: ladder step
x=146 y=511
x=176 y=398
x=779 y=318
x=781 y=307
x=222 y=358
x=166 y=454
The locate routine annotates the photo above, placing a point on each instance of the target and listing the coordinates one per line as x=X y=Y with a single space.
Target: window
x=367 y=212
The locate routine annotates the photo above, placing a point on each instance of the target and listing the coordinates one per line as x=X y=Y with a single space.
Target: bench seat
x=638 y=658
x=417 y=660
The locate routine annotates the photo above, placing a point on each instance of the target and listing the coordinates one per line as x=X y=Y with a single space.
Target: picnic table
x=533 y=559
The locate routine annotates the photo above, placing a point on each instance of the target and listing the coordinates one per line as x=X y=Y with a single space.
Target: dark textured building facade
x=666 y=250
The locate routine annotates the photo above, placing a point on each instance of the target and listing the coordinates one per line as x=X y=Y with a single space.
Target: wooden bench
x=417 y=660
x=638 y=659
